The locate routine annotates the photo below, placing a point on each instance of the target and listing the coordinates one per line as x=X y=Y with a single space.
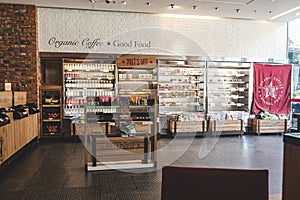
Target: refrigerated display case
x=181 y=95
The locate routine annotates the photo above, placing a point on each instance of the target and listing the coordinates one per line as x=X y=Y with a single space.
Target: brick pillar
x=18 y=49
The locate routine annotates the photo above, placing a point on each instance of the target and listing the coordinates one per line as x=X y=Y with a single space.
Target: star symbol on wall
x=270 y=90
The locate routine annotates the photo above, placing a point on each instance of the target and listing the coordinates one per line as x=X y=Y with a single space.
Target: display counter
x=16 y=134
x=291 y=166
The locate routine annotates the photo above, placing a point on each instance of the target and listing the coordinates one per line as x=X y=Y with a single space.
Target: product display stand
x=181 y=93
x=51 y=110
x=228 y=95
x=129 y=137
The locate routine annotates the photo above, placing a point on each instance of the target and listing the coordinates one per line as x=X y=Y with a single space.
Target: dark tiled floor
x=55 y=170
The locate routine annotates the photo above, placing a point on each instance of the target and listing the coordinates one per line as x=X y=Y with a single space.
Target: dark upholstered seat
x=189 y=183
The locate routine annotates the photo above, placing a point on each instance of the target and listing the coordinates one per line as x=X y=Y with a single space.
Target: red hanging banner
x=272 y=88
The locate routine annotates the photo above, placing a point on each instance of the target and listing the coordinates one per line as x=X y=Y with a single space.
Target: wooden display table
x=291 y=166
x=199 y=127
x=264 y=126
x=226 y=127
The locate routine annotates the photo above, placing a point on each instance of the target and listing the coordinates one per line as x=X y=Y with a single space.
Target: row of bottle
x=89 y=66
x=85 y=93
x=79 y=109
x=89 y=84
x=89 y=75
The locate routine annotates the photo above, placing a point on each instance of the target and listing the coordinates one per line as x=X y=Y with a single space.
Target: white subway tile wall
x=71 y=30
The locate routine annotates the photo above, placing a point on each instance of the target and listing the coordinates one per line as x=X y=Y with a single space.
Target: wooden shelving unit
x=51 y=110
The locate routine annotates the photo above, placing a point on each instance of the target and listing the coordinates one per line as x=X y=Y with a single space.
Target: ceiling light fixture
x=270 y=12
x=124 y=2
x=237 y=10
x=92 y=1
x=195 y=7
x=216 y=8
x=172 y=5
x=285 y=13
x=148 y=4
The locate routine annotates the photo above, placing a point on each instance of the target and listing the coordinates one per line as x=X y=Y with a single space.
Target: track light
x=148 y=4
x=237 y=10
x=195 y=7
x=172 y=5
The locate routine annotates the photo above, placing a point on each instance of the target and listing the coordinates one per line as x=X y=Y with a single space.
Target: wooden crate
x=143 y=126
x=20 y=98
x=226 y=127
x=98 y=128
x=186 y=126
x=5 y=99
x=262 y=126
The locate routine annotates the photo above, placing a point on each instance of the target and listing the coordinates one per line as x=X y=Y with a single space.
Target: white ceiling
x=248 y=9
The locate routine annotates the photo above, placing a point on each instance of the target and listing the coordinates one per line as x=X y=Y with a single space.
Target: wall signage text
x=89 y=43
x=132 y=61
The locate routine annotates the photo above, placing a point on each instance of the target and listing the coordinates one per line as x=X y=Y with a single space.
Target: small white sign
x=7 y=87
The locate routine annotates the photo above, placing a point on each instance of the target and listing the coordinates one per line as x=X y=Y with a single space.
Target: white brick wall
x=201 y=37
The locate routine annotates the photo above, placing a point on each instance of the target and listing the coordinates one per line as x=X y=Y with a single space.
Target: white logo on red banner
x=271 y=87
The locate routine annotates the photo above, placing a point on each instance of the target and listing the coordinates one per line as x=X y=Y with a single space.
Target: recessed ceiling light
x=148 y=4
x=172 y=5
x=124 y=2
x=216 y=8
x=237 y=10
x=270 y=12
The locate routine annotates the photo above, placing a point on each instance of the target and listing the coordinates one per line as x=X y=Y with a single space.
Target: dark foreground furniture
x=187 y=183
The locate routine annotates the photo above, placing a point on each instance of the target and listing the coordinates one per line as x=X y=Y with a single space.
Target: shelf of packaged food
x=51 y=105
x=130 y=93
x=183 y=97
x=167 y=104
x=227 y=96
x=85 y=88
x=51 y=120
x=184 y=90
x=182 y=82
x=169 y=74
x=87 y=65
x=90 y=78
x=87 y=70
x=135 y=80
x=227 y=82
x=227 y=89
x=228 y=75
x=227 y=105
